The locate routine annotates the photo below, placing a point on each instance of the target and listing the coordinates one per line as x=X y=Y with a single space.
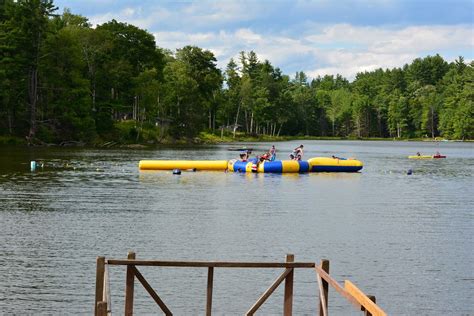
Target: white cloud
x=195 y=15
x=383 y=40
x=358 y=49
x=247 y=36
x=316 y=49
x=215 y=12
x=137 y=16
x=343 y=48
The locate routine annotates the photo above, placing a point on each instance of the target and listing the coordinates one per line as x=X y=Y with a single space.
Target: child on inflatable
x=272 y=153
x=262 y=158
x=297 y=153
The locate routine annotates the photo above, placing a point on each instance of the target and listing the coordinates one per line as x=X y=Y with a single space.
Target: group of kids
x=297 y=154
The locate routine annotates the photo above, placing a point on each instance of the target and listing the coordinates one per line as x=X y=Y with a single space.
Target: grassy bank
x=12 y=140
x=215 y=138
x=131 y=135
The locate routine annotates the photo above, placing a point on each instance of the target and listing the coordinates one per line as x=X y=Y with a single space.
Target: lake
x=407 y=239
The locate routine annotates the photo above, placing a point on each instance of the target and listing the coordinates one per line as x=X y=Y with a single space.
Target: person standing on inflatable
x=272 y=153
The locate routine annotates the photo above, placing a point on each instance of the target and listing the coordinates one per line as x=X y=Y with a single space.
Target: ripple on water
x=395 y=235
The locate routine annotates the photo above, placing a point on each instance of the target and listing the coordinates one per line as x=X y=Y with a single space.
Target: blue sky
x=317 y=37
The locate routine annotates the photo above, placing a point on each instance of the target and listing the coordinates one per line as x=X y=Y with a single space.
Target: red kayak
x=439 y=156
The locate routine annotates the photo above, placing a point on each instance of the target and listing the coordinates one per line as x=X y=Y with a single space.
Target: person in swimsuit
x=298 y=153
x=272 y=153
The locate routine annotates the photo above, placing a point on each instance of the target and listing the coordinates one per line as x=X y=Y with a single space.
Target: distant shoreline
x=208 y=139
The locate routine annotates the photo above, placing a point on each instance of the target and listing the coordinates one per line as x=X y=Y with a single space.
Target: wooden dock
x=361 y=301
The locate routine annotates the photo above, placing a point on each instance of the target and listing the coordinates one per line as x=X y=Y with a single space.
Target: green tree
x=27 y=22
x=456 y=116
x=203 y=69
x=66 y=112
x=233 y=81
x=398 y=115
x=133 y=50
x=340 y=100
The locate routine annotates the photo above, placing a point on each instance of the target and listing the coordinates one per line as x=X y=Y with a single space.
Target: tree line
x=63 y=80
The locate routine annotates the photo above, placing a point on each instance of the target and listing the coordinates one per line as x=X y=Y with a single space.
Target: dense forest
x=63 y=80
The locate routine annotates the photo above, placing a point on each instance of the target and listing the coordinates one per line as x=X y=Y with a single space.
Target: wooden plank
x=324 y=288
x=288 y=298
x=99 y=282
x=151 y=291
x=268 y=292
x=336 y=286
x=213 y=264
x=323 y=311
x=363 y=300
x=210 y=282
x=101 y=308
x=129 y=286
x=106 y=294
x=373 y=299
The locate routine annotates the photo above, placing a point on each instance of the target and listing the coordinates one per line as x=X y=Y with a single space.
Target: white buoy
x=33 y=165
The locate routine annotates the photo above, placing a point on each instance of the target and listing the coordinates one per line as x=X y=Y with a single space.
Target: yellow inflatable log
x=183 y=164
x=329 y=164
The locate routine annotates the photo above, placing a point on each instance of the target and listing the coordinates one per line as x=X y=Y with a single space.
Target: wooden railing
x=349 y=291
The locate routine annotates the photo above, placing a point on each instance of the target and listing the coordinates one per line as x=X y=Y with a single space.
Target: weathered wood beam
x=209 y=264
x=152 y=292
x=363 y=300
x=268 y=292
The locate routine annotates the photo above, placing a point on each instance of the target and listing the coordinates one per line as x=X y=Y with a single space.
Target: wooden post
x=372 y=298
x=210 y=281
x=101 y=308
x=129 y=287
x=99 y=282
x=325 y=267
x=288 y=302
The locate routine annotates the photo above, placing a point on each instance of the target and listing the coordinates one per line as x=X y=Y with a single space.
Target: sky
x=318 y=37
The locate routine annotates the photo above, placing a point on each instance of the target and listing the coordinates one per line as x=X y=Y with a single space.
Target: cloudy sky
x=318 y=37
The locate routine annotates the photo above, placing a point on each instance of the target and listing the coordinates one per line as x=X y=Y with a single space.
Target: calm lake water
x=408 y=239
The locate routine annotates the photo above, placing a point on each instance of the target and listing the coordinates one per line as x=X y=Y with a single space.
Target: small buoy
x=409 y=172
x=33 y=165
x=176 y=171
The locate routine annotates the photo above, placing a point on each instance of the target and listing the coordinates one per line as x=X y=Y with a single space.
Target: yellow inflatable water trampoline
x=317 y=164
